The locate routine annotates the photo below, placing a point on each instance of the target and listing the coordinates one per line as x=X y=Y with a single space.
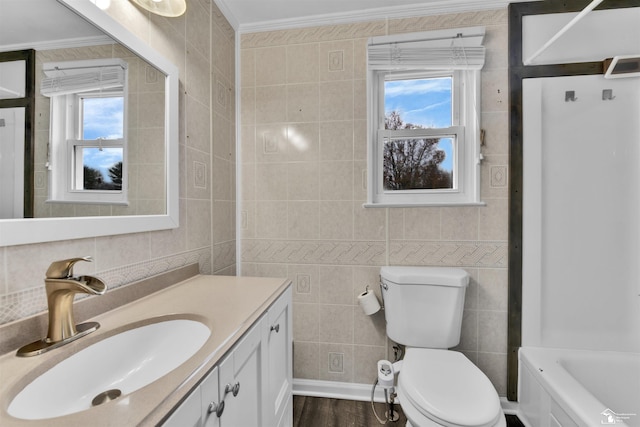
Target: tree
x=92 y=179
x=115 y=173
x=411 y=164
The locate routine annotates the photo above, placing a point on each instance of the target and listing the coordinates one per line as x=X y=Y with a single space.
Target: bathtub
x=562 y=387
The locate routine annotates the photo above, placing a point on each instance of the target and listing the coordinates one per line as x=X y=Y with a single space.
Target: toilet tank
x=423 y=305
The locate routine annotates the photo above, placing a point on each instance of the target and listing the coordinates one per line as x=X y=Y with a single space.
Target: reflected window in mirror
x=88 y=148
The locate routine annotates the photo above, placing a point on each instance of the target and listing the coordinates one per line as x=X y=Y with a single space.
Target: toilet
x=436 y=386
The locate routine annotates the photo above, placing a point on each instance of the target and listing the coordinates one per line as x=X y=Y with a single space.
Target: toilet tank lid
x=442 y=276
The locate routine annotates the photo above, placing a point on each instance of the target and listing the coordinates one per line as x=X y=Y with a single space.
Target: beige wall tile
x=460 y=223
x=248 y=68
x=336 y=60
x=336 y=178
x=336 y=284
x=302 y=63
x=494 y=219
x=271 y=181
x=369 y=330
x=423 y=223
x=336 y=140
x=496 y=125
x=306 y=322
x=368 y=224
x=492 y=331
x=469 y=333
x=303 y=181
x=494 y=365
x=303 y=102
x=271 y=104
x=271 y=66
x=336 y=323
x=336 y=100
x=306 y=287
x=272 y=143
x=271 y=220
x=305 y=360
x=336 y=220
x=493 y=289
x=495 y=90
x=303 y=221
x=365 y=362
x=197 y=28
x=303 y=142
x=336 y=362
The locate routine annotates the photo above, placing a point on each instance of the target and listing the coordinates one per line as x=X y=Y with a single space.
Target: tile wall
x=201 y=43
x=303 y=145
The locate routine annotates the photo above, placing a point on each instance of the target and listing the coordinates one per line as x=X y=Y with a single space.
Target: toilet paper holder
x=368 y=301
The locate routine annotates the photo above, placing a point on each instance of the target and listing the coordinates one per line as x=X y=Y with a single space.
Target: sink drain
x=106 y=396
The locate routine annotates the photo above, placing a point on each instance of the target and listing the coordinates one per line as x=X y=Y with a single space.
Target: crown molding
x=439 y=7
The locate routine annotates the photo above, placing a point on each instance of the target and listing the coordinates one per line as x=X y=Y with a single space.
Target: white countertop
x=227 y=305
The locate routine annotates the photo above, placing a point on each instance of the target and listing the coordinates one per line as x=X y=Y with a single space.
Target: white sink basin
x=124 y=362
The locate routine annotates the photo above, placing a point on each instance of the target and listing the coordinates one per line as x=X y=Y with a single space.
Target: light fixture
x=169 y=8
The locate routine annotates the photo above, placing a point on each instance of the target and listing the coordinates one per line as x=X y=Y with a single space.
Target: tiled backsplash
x=31 y=301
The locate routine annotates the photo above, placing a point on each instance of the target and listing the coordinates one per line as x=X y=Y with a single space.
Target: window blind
x=458 y=49
x=82 y=76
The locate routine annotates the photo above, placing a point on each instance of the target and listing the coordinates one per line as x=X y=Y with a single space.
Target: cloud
x=103 y=118
x=429 y=107
x=416 y=86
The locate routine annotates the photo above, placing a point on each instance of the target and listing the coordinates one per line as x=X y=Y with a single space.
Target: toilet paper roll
x=368 y=302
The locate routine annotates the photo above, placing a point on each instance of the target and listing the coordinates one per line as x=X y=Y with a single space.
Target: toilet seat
x=445 y=387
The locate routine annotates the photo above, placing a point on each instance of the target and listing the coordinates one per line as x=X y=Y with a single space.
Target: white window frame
x=65 y=130
x=465 y=127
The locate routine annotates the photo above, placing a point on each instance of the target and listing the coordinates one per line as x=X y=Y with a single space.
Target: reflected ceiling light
x=169 y=8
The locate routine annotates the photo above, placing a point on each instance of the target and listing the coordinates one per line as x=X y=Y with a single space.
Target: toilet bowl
x=444 y=388
x=436 y=386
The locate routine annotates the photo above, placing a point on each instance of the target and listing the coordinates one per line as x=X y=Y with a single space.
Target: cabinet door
x=242 y=371
x=210 y=399
x=194 y=411
x=279 y=369
x=188 y=414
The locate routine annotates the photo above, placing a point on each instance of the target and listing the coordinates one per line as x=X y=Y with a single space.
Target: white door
x=12 y=162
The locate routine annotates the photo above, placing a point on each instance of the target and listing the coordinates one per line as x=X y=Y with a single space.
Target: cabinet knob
x=275 y=328
x=235 y=389
x=218 y=408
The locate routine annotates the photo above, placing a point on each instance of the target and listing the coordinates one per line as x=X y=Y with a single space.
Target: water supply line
x=386 y=374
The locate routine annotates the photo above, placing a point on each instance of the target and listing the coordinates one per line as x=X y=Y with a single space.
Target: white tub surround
x=564 y=387
x=228 y=306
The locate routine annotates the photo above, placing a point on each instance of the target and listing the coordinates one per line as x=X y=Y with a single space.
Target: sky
x=102 y=118
x=424 y=102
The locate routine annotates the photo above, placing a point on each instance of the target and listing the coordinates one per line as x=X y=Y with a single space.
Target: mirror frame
x=39 y=230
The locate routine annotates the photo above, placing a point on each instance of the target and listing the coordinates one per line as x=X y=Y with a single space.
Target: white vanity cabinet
x=279 y=361
x=194 y=411
x=240 y=383
x=253 y=379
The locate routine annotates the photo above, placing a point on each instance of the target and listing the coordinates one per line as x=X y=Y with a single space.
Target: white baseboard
x=336 y=390
x=362 y=392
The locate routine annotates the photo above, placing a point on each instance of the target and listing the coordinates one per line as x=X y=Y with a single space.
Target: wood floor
x=322 y=412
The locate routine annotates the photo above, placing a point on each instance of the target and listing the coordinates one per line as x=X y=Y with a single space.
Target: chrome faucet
x=61 y=287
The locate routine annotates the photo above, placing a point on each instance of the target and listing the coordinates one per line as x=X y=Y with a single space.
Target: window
x=423 y=118
x=88 y=145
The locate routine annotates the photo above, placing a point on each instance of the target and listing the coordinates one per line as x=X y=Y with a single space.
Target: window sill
x=421 y=205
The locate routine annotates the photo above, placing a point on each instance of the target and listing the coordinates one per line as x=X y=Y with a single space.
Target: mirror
x=153 y=81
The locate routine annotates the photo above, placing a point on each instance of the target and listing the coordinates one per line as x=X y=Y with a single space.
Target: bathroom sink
x=110 y=369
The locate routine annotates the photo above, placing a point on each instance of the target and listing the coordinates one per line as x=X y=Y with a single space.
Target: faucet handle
x=64 y=268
